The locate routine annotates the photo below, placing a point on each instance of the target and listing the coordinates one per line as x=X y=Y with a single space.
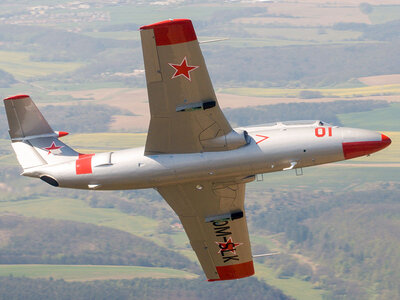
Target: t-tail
x=34 y=142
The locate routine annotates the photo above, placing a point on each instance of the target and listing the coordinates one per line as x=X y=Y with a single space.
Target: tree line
x=46 y=241
x=143 y=289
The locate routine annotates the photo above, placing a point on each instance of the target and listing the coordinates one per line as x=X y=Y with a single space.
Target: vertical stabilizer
x=24 y=118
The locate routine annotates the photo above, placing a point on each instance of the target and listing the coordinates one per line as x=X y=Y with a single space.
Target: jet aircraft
x=192 y=157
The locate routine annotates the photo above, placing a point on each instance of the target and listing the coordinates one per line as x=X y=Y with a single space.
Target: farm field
x=77 y=210
x=22 y=67
x=378 y=119
x=331 y=176
x=299 y=289
x=91 y=272
x=378 y=90
x=301 y=35
x=380 y=79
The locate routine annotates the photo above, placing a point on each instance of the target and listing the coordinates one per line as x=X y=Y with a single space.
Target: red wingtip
x=234 y=271
x=62 y=133
x=17 y=97
x=172 y=32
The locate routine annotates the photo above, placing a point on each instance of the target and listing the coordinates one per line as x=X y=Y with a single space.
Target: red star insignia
x=228 y=245
x=52 y=147
x=183 y=69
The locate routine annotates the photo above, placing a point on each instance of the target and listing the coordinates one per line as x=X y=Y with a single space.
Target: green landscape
x=334 y=231
x=91 y=272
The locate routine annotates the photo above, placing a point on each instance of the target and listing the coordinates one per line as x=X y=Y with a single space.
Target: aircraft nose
x=360 y=142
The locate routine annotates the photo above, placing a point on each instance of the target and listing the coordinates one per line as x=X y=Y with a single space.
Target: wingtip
x=61 y=133
x=171 y=32
x=237 y=271
x=166 y=23
x=16 y=97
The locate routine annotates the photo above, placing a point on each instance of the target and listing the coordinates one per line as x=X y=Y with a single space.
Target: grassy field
x=377 y=90
x=91 y=272
x=303 y=35
x=79 y=211
x=387 y=118
x=21 y=67
x=298 y=289
x=330 y=177
x=294 y=287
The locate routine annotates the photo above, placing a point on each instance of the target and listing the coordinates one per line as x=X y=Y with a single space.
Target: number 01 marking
x=321 y=131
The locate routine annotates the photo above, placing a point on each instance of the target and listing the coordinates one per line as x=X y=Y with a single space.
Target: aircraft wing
x=212 y=214
x=185 y=115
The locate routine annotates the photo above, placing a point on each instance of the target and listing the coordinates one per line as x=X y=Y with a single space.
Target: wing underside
x=212 y=214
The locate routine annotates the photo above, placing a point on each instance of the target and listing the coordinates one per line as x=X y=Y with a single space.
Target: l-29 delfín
x=192 y=156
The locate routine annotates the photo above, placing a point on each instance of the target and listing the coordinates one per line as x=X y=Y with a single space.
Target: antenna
x=266 y=254
x=212 y=41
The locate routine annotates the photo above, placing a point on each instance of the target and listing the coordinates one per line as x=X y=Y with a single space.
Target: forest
x=143 y=289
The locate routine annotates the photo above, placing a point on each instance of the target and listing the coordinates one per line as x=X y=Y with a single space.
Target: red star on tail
x=52 y=147
x=183 y=69
x=229 y=245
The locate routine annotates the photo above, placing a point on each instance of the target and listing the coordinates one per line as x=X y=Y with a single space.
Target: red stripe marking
x=235 y=271
x=17 y=97
x=172 y=32
x=84 y=164
x=356 y=149
x=263 y=138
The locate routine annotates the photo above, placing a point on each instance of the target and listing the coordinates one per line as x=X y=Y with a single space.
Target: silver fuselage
x=270 y=149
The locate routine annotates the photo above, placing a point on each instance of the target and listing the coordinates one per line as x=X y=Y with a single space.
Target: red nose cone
x=386 y=140
x=356 y=149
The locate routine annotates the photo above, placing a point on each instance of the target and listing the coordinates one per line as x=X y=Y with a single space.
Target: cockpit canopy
x=286 y=124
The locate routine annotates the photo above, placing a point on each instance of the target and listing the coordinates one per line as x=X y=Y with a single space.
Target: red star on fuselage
x=52 y=147
x=229 y=245
x=183 y=69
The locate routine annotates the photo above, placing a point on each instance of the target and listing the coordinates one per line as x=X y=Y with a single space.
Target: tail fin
x=33 y=140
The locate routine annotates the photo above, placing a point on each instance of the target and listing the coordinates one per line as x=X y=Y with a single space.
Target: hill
x=32 y=289
x=41 y=241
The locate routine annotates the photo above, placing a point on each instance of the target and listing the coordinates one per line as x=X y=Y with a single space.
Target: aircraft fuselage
x=270 y=149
